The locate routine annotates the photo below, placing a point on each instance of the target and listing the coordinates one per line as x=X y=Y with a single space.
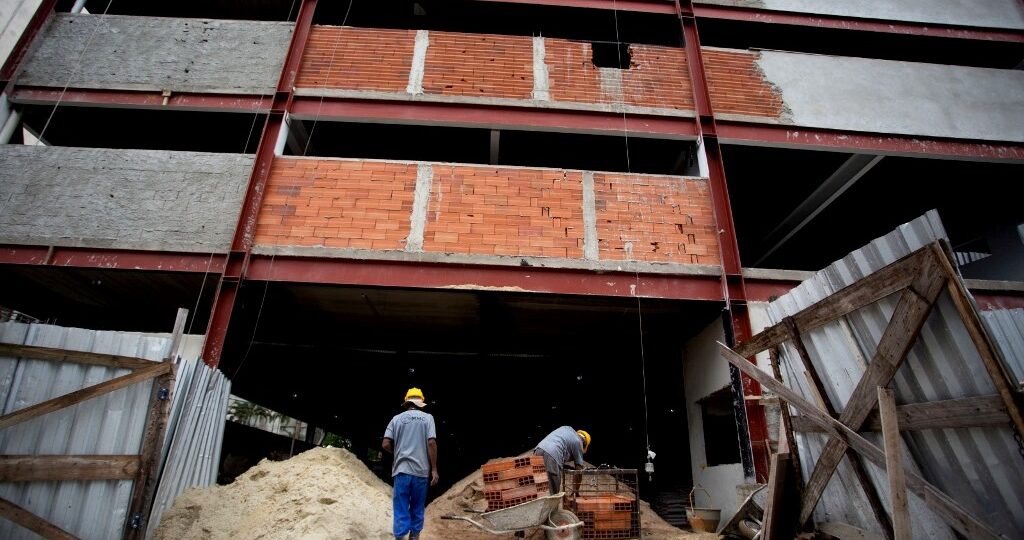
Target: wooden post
x=894 y=464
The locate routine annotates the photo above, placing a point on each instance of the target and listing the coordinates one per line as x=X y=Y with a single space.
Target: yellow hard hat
x=415 y=396
x=586 y=438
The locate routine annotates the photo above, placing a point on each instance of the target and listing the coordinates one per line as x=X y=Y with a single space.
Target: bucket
x=703 y=519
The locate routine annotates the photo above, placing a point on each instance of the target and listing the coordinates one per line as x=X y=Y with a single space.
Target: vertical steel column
x=237 y=263
x=733 y=289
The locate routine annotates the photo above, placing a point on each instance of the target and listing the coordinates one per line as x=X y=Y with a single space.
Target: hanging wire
x=636 y=270
x=330 y=65
x=71 y=76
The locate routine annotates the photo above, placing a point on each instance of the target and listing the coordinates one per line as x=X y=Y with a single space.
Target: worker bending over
x=560 y=446
x=412 y=437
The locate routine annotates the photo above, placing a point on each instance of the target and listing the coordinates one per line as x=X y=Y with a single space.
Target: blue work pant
x=408 y=497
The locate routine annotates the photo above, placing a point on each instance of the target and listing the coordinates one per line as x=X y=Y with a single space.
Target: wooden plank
x=144 y=487
x=33 y=522
x=888 y=280
x=56 y=468
x=777 y=474
x=911 y=311
x=787 y=422
x=154 y=369
x=845 y=531
x=943 y=506
x=856 y=464
x=78 y=357
x=986 y=349
x=979 y=411
x=894 y=464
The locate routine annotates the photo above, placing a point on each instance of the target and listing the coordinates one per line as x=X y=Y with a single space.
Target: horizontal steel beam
x=786 y=136
x=643 y=6
x=188 y=101
x=491 y=116
x=112 y=259
x=480 y=277
x=857 y=24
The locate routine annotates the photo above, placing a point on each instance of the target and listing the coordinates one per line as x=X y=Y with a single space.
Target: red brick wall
x=737 y=86
x=336 y=203
x=479 y=65
x=357 y=59
x=486 y=210
x=657 y=77
x=505 y=211
x=664 y=219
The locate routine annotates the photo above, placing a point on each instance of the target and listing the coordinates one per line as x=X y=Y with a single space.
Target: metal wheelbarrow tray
x=520 y=517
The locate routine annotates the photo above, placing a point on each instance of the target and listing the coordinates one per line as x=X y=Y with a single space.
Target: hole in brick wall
x=721 y=443
x=611 y=55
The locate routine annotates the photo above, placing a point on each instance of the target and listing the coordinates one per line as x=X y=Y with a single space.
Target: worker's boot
x=414 y=536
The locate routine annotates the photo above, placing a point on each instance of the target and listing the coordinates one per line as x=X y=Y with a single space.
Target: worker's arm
x=388 y=445
x=432 y=452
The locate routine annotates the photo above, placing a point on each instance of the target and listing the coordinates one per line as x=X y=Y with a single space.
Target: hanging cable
x=649 y=465
x=78 y=65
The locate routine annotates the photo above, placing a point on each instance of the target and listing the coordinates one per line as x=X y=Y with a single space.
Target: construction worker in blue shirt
x=560 y=446
x=411 y=437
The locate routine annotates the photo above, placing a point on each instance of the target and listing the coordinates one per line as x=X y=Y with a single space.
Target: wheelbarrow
x=543 y=512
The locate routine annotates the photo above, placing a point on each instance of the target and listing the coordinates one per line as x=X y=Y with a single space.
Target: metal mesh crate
x=608 y=502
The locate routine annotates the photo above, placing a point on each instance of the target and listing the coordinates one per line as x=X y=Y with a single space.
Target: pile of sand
x=324 y=493
x=327 y=493
x=467 y=494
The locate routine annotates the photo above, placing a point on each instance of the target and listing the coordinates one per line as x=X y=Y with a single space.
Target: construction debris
x=324 y=493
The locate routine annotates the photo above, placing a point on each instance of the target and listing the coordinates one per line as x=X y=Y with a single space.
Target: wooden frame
x=918 y=278
x=141 y=468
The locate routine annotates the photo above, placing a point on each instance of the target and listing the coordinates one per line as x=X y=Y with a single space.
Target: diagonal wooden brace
x=912 y=310
x=954 y=514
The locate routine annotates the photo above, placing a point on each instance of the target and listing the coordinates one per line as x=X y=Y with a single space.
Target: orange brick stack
x=608 y=516
x=737 y=85
x=512 y=481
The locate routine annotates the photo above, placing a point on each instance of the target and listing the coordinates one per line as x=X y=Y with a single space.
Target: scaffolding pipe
x=12 y=123
x=79 y=5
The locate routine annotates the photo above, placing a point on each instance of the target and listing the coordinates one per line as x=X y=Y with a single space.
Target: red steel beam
x=733 y=287
x=112 y=259
x=706 y=11
x=755 y=134
x=235 y=267
x=468 y=114
x=42 y=15
x=991 y=301
x=644 y=6
x=479 y=277
x=31 y=95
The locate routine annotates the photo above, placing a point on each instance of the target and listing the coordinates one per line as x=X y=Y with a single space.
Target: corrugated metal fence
x=109 y=424
x=980 y=466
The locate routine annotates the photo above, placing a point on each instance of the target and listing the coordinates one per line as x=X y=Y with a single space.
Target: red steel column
x=733 y=289
x=237 y=264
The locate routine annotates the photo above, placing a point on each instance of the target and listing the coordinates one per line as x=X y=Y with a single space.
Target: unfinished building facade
x=542 y=212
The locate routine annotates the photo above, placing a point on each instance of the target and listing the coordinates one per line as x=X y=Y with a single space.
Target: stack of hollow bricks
x=512 y=481
x=608 y=516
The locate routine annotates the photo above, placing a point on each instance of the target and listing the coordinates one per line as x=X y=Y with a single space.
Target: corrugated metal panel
x=979 y=467
x=1007 y=329
x=195 y=433
x=109 y=424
